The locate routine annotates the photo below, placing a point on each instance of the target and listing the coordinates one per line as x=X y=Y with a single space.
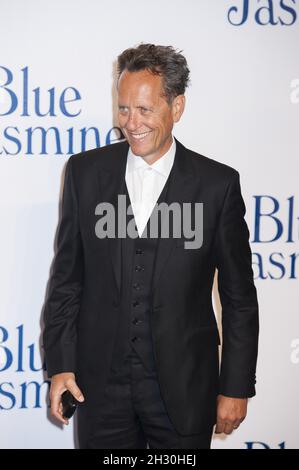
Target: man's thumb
x=76 y=392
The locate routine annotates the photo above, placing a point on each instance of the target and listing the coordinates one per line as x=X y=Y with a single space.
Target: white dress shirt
x=145 y=183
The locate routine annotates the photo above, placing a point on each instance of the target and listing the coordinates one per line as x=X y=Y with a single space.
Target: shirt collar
x=163 y=165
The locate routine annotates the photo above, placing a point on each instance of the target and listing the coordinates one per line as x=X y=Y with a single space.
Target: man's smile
x=139 y=136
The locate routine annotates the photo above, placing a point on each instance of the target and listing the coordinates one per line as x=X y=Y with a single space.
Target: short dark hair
x=161 y=60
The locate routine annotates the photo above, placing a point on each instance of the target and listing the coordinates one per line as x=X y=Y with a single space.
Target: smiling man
x=130 y=329
x=147 y=114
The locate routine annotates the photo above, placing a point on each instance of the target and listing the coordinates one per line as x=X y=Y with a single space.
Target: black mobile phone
x=69 y=404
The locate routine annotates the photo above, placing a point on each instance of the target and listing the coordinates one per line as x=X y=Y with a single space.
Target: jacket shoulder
x=107 y=155
x=212 y=167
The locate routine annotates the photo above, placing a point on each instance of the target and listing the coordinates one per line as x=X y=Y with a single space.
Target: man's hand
x=60 y=383
x=230 y=413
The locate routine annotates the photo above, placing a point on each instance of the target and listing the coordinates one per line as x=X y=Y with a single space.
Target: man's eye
x=123 y=109
x=144 y=110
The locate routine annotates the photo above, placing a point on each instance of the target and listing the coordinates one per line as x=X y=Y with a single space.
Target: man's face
x=145 y=116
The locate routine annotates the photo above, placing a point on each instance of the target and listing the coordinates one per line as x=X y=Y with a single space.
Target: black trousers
x=133 y=415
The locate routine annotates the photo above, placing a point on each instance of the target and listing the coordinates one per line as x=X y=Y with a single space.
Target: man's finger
x=219 y=427
x=75 y=390
x=226 y=426
x=56 y=408
x=228 y=429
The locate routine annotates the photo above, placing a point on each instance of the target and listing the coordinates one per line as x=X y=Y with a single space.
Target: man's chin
x=139 y=149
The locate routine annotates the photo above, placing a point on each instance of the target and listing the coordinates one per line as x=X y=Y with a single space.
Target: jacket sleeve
x=240 y=323
x=65 y=286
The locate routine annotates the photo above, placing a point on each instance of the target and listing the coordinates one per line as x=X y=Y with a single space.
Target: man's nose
x=132 y=122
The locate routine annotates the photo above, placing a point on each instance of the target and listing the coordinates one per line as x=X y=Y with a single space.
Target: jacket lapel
x=182 y=188
x=111 y=181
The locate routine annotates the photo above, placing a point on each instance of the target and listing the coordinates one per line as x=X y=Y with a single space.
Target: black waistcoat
x=134 y=327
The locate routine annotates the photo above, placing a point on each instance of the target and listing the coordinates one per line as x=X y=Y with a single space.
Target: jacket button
x=136 y=303
x=136 y=338
x=135 y=321
x=139 y=268
x=139 y=251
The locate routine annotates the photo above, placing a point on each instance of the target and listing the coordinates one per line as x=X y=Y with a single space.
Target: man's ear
x=178 y=106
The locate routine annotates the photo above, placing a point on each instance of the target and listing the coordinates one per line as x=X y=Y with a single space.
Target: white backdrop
x=242 y=109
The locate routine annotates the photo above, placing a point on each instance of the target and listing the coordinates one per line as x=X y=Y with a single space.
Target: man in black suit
x=129 y=323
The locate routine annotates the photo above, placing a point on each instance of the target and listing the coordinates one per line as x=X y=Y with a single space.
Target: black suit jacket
x=82 y=309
